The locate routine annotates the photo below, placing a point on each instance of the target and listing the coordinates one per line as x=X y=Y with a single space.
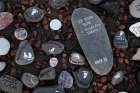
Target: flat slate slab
x=93 y=38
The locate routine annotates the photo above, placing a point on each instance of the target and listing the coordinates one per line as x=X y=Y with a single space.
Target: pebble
x=117 y=78
x=122 y=92
x=6 y=19
x=65 y=79
x=58 y=3
x=25 y=54
x=134 y=8
x=2 y=6
x=95 y=1
x=51 y=89
x=53 y=61
x=4 y=47
x=21 y=33
x=120 y=40
x=137 y=55
x=47 y=74
x=76 y=59
x=55 y=24
x=53 y=47
x=30 y=80
x=2 y=66
x=10 y=84
x=83 y=77
x=34 y=14
x=135 y=29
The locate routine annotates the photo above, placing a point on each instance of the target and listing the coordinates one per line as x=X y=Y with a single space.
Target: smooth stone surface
x=94 y=41
x=137 y=55
x=55 y=24
x=65 y=79
x=53 y=62
x=52 y=89
x=10 y=84
x=34 y=14
x=120 y=40
x=53 y=47
x=2 y=6
x=135 y=29
x=95 y=1
x=76 y=59
x=83 y=77
x=2 y=66
x=30 y=80
x=25 y=54
x=135 y=8
x=47 y=74
x=4 y=47
x=58 y=3
x=117 y=78
x=21 y=33
x=6 y=19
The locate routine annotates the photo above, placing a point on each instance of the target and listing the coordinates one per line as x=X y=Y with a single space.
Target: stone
x=134 y=8
x=95 y=1
x=25 y=54
x=2 y=6
x=135 y=29
x=55 y=24
x=34 y=14
x=136 y=57
x=4 y=47
x=76 y=59
x=21 y=33
x=47 y=74
x=52 y=89
x=117 y=78
x=6 y=19
x=53 y=61
x=65 y=79
x=53 y=47
x=120 y=40
x=10 y=84
x=2 y=66
x=93 y=39
x=138 y=77
x=122 y=92
x=58 y=3
x=30 y=80
x=83 y=77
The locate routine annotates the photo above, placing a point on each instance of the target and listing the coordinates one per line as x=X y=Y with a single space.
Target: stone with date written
x=93 y=39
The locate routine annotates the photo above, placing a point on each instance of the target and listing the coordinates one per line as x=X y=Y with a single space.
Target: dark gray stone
x=10 y=84
x=53 y=89
x=120 y=40
x=25 y=54
x=53 y=47
x=83 y=77
x=2 y=6
x=47 y=74
x=58 y=3
x=93 y=39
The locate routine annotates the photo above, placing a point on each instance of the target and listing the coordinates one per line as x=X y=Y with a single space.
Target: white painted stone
x=53 y=62
x=55 y=24
x=4 y=46
x=135 y=29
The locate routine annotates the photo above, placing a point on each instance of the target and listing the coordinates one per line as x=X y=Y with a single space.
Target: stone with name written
x=120 y=40
x=135 y=8
x=47 y=74
x=136 y=57
x=58 y=3
x=83 y=77
x=93 y=38
x=52 y=89
x=25 y=54
x=10 y=84
x=135 y=29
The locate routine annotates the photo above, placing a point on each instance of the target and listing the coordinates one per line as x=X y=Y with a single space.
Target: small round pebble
x=21 y=33
x=2 y=66
x=53 y=62
x=4 y=47
x=55 y=24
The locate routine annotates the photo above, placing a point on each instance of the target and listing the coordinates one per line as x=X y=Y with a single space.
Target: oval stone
x=25 y=54
x=93 y=39
x=2 y=66
x=53 y=62
x=6 y=19
x=30 y=80
x=83 y=77
x=117 y=78
x=4 y=47
x=21 y=33
x=53 y=47
x=2 y=6
x=76 y=59
x=34 y=14
x=135 y=29
x=58 y=3
x=65 y=79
